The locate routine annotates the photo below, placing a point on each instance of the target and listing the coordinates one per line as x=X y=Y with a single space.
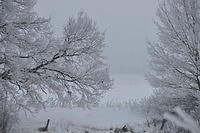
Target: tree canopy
x=36 y=67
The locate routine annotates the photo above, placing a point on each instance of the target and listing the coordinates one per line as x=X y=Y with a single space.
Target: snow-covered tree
x=183 y=120
x=165 y=100
x=175 y=57
x=36 y=68
x=8 y=114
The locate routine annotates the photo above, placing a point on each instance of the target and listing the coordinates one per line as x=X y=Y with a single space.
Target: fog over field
x=128 y=87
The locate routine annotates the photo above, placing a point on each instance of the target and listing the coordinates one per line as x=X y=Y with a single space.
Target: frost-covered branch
x=183 y=120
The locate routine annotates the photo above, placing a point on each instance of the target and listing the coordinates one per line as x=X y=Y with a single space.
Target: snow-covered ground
x=77 y=120
x=98 y=120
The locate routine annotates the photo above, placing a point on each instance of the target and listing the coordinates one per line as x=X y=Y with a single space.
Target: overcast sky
x=128 y=24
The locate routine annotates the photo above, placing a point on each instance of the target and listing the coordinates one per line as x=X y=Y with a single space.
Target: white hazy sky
x=128 y=25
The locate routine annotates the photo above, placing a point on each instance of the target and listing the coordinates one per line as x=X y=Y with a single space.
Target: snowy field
x=96 y=120
x=79 y=120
